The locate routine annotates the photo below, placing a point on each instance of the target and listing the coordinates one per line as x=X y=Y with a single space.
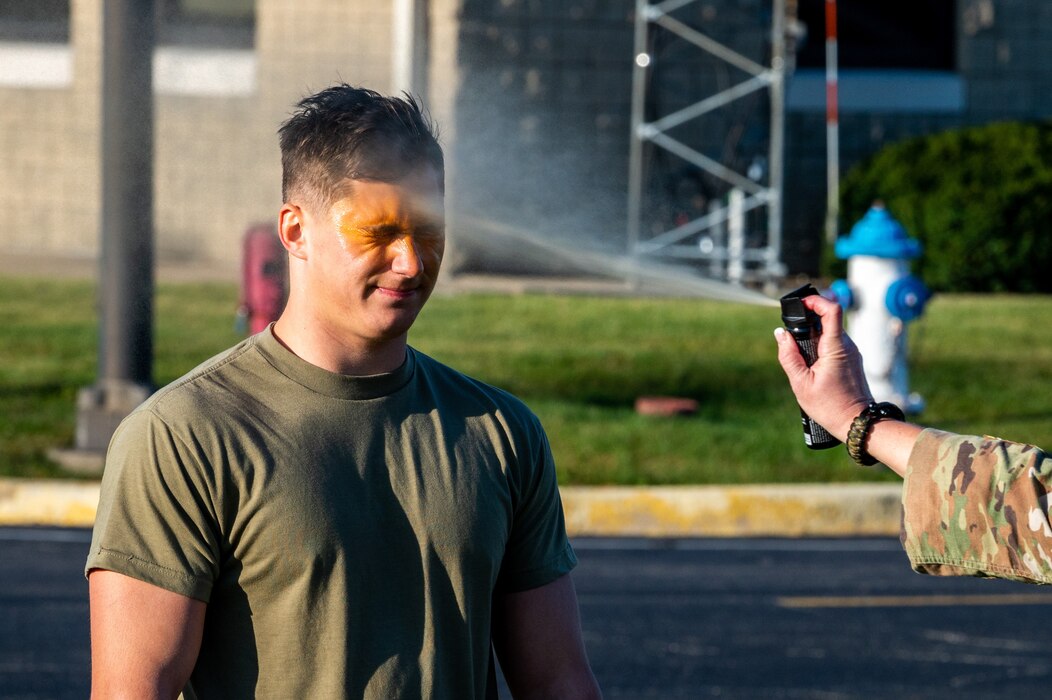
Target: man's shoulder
x=214 y=377
x=449 y=380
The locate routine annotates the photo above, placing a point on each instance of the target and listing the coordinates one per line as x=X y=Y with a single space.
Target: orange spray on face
x=380 y=218
x=378 y=252
x=367 y=262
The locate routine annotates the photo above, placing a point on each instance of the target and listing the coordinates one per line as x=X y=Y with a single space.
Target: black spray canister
x=806 y=327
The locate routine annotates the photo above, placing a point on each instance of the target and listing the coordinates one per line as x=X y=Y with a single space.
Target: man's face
x=374 y=256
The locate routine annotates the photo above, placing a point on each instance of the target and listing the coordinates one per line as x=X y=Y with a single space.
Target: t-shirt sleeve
x=156 y=521
x=538 y=550
x=978 y=506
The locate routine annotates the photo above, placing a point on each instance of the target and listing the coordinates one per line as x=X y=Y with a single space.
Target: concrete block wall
x=735 y=135
x=216 y=170
x=304 y=46
x=49 y=142
x=544 y=91
x=532 y=99
x=1004 y=53
x=543 y=118
x=1003 y=48
x=217 y=166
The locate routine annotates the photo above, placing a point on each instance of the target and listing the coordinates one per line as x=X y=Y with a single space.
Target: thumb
x=789 y=357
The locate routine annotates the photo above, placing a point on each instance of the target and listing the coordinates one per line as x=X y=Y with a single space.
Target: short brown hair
x=348 y=133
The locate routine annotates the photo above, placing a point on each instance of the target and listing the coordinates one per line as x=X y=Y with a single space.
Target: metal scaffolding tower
x=746 y=193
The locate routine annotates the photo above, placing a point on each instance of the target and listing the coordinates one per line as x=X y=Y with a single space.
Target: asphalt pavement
x=809 y=619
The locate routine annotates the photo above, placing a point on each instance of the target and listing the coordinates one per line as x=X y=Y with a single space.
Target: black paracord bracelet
x=860 y=427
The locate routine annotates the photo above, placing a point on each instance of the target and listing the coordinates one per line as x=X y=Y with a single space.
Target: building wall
x=217 y=164
x=50 y=145
x=1002 y=52
x=533 y=102
x=545 y=93
x=541 y=131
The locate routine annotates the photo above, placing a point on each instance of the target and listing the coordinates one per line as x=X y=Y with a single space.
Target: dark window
x=212 y=23
x=207 y=23
x=34 y=20
x=915 y=34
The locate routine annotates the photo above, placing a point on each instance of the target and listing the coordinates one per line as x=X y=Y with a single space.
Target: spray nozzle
x=793 y=310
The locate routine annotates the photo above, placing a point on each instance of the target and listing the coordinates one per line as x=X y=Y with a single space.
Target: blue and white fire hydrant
x=881 y=297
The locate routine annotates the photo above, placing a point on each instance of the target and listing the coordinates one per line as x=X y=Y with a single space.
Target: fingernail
x=779 y=333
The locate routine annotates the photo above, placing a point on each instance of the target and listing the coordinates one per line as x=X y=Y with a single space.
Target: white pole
x=408 y=42
x=832 y=126
x=735 y=236
x=719 y=241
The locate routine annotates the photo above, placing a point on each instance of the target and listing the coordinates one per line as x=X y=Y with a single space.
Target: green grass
x=48 y=346
x=984 y=364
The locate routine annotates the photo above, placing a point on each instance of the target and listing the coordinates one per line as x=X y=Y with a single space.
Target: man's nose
x=406 y=257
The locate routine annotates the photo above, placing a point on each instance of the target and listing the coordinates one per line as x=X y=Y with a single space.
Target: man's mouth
x=396 y=292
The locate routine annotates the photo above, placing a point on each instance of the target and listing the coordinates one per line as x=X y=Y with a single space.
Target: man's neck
x=349 y=356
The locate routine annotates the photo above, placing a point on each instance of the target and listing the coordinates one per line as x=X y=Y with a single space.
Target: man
x=322 y=511
x=972 y=505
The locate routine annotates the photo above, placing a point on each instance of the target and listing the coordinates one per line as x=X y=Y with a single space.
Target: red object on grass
x=665 y=406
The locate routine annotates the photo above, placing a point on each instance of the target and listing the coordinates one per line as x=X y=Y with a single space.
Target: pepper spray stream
x=805 y=327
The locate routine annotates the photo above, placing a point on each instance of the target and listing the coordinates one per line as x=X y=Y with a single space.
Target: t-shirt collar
x=339 y=386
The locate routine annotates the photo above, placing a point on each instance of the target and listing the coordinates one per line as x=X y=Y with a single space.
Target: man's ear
x=291 y=229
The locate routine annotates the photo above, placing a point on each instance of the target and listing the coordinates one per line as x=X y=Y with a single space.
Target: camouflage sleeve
x=978 y=506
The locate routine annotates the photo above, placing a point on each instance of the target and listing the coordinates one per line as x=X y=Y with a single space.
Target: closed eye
x=388 y=233
x=382 y=231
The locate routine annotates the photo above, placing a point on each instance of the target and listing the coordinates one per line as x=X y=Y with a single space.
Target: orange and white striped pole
x=832 y=126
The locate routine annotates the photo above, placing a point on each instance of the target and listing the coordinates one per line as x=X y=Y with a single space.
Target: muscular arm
x=144 y=639
x=537 y=634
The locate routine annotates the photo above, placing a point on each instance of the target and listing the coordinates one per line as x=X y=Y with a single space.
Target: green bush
x=980 y=200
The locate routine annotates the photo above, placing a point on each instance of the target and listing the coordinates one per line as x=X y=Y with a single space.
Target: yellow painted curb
x=820 y=510
x=48 y=502
x=779 y=510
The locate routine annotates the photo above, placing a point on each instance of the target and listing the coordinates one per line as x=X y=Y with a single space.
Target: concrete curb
x=779 y=510
x=48 y=502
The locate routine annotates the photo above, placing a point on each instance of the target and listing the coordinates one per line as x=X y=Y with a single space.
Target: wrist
x=862 y=425
x=842 y=426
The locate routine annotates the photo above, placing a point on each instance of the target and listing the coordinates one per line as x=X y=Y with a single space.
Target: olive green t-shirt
x=347 y=533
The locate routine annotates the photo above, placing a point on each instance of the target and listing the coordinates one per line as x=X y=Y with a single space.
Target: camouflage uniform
x=978 y=506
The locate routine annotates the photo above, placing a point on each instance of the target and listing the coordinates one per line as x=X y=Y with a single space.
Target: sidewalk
x=820 y=510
